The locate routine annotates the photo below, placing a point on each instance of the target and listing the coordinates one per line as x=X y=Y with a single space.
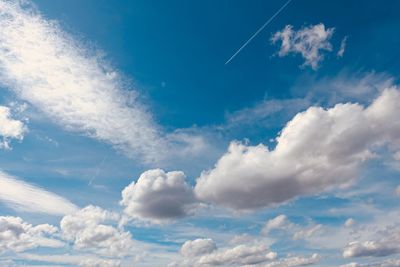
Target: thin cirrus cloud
x=46 y=67
x=317 y=150
x=27 y=197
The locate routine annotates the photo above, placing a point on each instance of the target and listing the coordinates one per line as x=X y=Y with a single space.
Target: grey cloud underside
x=158 y=196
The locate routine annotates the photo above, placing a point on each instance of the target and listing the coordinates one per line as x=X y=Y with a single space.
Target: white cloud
x=317 y=150
x=203 y=252
x=397 y=191
x=385 y=263
x=27 y=197
x=158 y=196
x=99 y=263
x=342 y=48
x=310 y=42
x=307 y=232
x=83 y=260
x=197 y=247
x=277 y=223
x=10 y=128
x=293 y=261
x=88 y=230
x=349 y=222
x=371 y=248
x=17 y=235
x=46 y=67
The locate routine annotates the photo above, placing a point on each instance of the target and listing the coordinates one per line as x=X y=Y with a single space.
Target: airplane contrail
x=258 y=31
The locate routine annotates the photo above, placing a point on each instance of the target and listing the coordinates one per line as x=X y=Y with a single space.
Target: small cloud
x=349 y=222
x=342 y=47
x=310 y=42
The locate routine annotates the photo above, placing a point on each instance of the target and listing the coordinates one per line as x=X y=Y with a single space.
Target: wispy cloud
x=27 y=197
x=73 y=86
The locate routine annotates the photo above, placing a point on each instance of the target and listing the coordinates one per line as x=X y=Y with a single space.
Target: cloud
x=158 y=196
x=310 y=42
x=317 y=150
x=82 y=260
x=203 y=252
x=27 y=197
x=88 y=230
x=279 y=222
x=385 y=263
x=10 y=128
x=342 y=48
x=292 y=261
x=370 y=249
x=197 y=247
x=76 y=88
x=17 y=235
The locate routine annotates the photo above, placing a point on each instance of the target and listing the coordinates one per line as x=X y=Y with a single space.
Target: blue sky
x=127 y=140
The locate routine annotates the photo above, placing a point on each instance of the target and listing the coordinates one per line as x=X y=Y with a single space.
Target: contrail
x=258 y=31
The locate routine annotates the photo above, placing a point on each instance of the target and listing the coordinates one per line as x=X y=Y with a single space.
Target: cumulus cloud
x=203 y=252
x=17 y=235
x=82 y=260
x=197 y=247
x=385 y=263
x=27 y=197
x=10 y=128
x=377 y=240
x=46 y=67
x=88 y=230
x=370 y=248
x=292 y=261
x=317 y=150
x=279 y=222
x=158 y=196
x=310 y=42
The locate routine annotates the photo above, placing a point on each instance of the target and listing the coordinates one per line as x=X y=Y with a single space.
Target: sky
x=128 y=137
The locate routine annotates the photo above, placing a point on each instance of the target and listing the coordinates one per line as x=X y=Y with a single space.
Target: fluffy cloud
x=295 y=261
x=158 y=196
x=17 y=235
x=377 y=240
x=370 y=248
x=23 y=196
x=47 y=68
x=197 y=247
x=310 y=42
x=317 y=150
x=385 y=263
x=99 y=263
x=204 y=253
x=10 y=128
x=88 y=230
x=279 y=222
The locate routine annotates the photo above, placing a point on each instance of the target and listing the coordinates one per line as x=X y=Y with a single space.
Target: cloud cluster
x=158 y=196
x=17 y=235
x=88 y=230
x=310 y=42
x=27 y=197
x=317 y=150
x=10 y=128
